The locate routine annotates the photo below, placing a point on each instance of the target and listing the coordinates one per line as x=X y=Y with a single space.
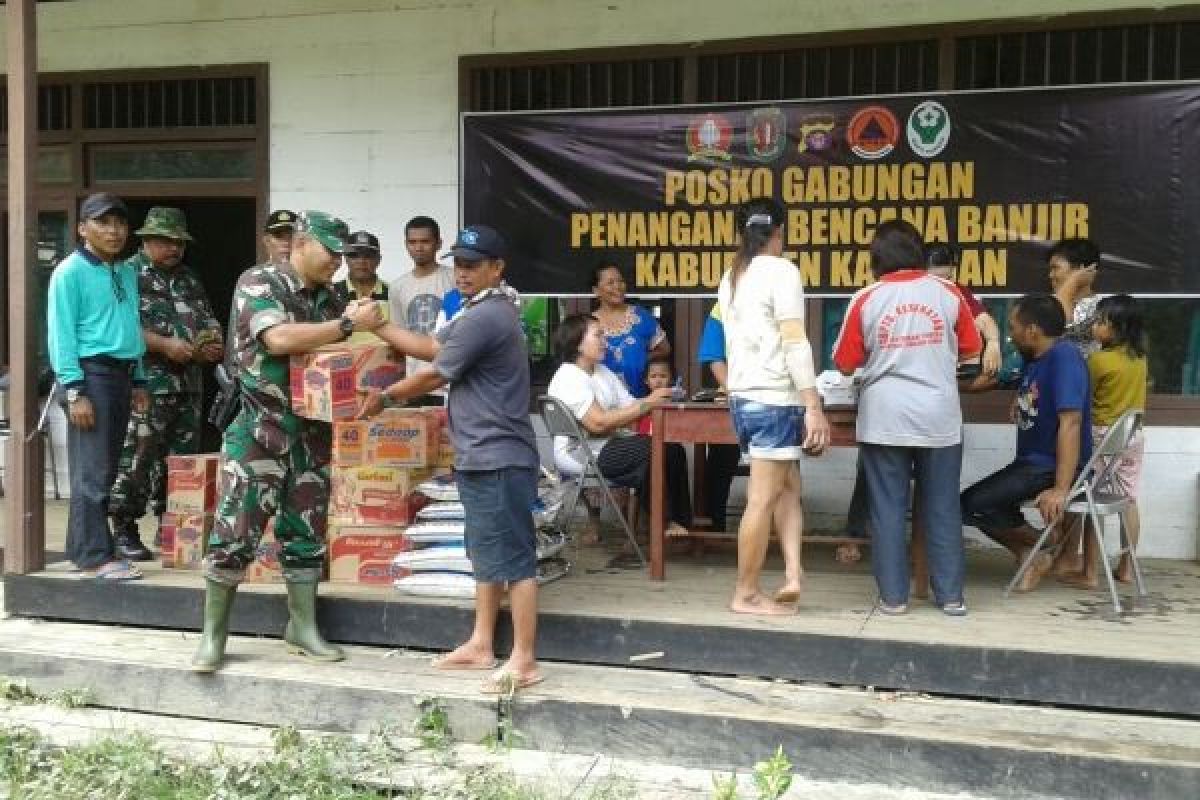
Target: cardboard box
x=192 y=483
x=444 y=457
x=364 y=553
x=266 y=567
x=375 y=495
x=398 y=437
x=184 y=539
x=326 y=384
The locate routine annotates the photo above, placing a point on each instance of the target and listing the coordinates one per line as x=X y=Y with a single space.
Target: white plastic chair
x=1095 y=495
x=561 y=422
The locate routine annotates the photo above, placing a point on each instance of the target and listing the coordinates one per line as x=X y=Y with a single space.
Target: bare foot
x=467 y=656
x=676 y=531
x=1079 y=580
x=591 y=531
x=759 y=604
x=788 y=594
x=848 y=553
x=1037 y=570
x=1124 y=571
x=1067 y=565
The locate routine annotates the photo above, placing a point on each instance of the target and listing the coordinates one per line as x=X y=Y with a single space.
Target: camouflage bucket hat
x=166 y=222
x=325 y=228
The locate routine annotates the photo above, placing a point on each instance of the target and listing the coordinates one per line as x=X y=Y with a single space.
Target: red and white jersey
x=908 y=332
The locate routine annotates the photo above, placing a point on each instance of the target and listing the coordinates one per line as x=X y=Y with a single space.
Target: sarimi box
x=184 y=539
x=364 y=553
x=375 y=495
x=192 y=483
x=398 y=437
x=328 y=384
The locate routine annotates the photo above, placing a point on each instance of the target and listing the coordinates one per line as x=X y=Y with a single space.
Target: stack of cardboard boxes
x=191 y=501
x=377 y=465
x=192 y=497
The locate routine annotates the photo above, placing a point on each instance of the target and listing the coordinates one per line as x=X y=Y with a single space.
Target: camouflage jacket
x=173 y=303
x=266 y=296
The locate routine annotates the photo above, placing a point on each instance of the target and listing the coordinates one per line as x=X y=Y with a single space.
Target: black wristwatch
x=346 y=326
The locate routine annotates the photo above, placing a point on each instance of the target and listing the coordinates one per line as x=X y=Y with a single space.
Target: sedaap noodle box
x=397 y=437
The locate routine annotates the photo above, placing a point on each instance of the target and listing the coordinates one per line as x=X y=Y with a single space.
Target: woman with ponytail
x=773 y=399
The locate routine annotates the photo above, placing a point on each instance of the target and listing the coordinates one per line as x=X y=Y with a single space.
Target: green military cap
x=166 y=222
x=326 y=228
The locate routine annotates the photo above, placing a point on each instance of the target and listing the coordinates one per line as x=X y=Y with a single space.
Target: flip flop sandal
x=441 y=663
x=505 y=682
x=115 y=571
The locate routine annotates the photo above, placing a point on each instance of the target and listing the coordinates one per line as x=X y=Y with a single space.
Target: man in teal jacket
x=96 y=348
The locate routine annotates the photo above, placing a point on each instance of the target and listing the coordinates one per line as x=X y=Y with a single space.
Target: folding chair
x=1093 y=494
x=561 y=422
x=40 y=430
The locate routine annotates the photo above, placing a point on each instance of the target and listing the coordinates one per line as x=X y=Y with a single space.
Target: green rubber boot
x=218 y=601
x=301 y=635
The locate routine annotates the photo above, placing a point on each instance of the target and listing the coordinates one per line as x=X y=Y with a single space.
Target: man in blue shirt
x=1052 y=412
x=96 y=347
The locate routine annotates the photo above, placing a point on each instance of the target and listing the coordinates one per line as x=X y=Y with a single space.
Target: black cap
x=101 y=203
x=280 y=220
x=479 y=242
x=362 y=240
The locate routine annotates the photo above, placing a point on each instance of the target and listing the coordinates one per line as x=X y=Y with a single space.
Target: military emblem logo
x=815 y=134
x=928 y=129
x=766 y=134
x=709 y=137
x=873 y=133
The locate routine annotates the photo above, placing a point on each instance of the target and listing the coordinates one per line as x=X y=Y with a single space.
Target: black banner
x=1002 y=175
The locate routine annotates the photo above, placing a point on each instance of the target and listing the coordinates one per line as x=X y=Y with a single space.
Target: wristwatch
x=346 y=325
x=73 y=395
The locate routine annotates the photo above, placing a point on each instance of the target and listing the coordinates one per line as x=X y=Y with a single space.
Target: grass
x=132 y=766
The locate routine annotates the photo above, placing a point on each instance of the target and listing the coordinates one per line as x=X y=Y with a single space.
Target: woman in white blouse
x=773 y=399
x=606 y=412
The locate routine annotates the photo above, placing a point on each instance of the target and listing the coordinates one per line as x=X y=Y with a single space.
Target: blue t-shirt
x=628 y=352
x=712 y=338
x=1056 y=382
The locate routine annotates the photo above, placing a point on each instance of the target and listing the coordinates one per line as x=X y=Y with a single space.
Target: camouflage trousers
x=171 y=427
x=257 y=484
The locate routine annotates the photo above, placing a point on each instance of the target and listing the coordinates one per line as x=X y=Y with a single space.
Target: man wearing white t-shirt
x=416 y=297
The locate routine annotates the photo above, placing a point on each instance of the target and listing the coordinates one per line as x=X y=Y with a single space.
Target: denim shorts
x=500 y=537
x=769 y=432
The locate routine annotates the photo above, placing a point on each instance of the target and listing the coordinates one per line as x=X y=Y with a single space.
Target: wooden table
x=707 y=423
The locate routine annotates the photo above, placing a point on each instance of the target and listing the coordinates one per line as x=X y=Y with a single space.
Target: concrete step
x=901 y=739
x=415 y=767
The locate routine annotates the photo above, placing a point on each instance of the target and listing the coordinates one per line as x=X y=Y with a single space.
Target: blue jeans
x=500 y=537
x=92 y=458
x=936 y=471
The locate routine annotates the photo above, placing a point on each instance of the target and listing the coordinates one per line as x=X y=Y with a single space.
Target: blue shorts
x=774 y=433
x=500 y=537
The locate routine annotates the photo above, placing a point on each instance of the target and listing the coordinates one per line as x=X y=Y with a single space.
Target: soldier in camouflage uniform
x=276 y=463
x=181 y=335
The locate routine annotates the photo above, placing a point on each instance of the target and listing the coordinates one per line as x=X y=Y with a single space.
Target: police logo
x=928 y=129
x=815 y=134
x=285 y=216
x=709 y=137
x=469 y=237
x=873 y=133
x=766 y=134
